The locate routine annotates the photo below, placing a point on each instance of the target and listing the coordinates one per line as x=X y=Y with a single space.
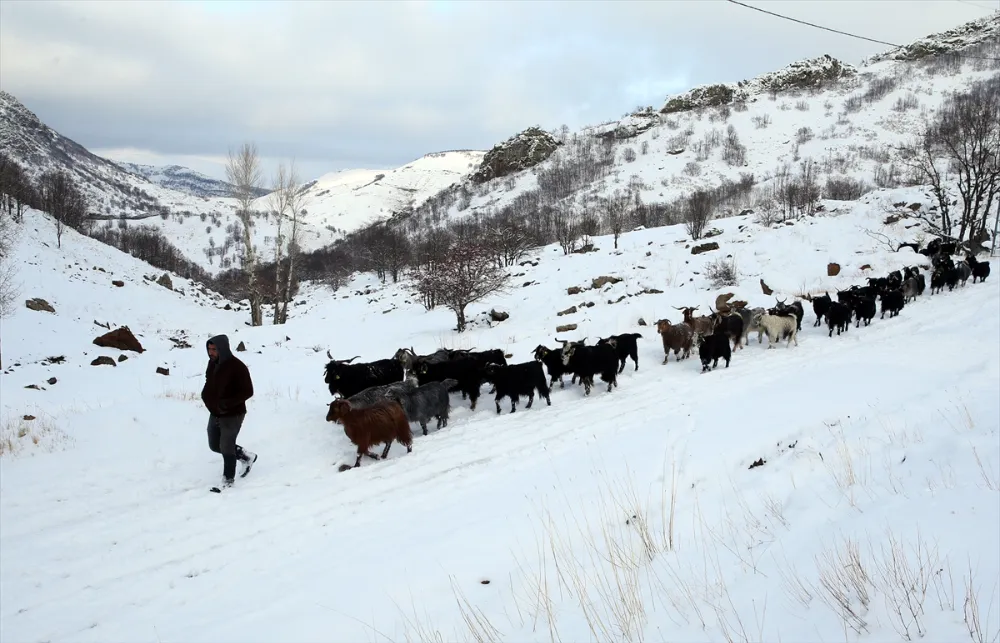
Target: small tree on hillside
x=697 y=213
x=278 y=200
x=467 y=274
x=243 y=172
x=63 y=200
x=616 y=213
x=296 y=208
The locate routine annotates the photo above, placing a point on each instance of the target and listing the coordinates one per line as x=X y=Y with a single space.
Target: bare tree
x=278 y=200
x=616 y=213
x=468 y=273
x=8 y=268
x=243 y=172
x=63 y=201
x=962 y=145
x=296 y=198
x=698 y=213
x=567 y=229
x=508 y=237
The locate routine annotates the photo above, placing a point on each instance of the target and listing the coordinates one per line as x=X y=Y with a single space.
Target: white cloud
x=374 y=84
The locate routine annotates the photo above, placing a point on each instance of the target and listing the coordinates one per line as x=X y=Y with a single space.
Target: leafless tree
x=567 y=229
x=244 y=174
x=297 y=202
x=697 y=213
x=962 y=145
x=16 y=191
x=278 y=201
x=508 y=237
x=63 y=201
x=468 y=273
x=616 y=213
x=8 y=268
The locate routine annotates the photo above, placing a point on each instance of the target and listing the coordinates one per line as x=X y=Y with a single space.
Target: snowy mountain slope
x=193 y=212
x=660 y=528
x=846 y=122
x=182 y=179
x=350 y=199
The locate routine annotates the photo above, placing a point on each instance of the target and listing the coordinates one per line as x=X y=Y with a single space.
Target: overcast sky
x=379 y=83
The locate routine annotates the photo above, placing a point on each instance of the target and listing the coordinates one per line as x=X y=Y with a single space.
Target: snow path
x=115 y=539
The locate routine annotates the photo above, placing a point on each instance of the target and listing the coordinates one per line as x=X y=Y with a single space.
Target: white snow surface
x=630 y=515
x=350 y=199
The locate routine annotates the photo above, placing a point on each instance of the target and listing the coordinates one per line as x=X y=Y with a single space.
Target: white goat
x=777 y=327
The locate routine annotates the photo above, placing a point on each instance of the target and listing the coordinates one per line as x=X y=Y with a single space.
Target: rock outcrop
x=519 y=152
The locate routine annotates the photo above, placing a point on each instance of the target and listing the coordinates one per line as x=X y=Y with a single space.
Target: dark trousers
x=222 y=432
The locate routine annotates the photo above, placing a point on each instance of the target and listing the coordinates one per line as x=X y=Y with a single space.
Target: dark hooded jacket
x=227 y=381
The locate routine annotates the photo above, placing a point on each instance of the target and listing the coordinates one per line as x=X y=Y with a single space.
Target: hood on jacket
x=222 y=345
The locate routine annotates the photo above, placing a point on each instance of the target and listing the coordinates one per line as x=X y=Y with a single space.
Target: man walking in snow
x=227 y=388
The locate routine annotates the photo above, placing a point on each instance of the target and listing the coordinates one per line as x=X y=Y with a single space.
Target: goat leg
x=531 y=399
x=423 y=425
x=385 y=451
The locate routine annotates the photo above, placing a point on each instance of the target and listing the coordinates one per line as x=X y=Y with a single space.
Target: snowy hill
x=847 y=484
x=841 y=123
x=182 y=179
x=350 y=199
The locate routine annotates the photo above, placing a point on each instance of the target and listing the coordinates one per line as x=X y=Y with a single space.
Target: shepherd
x=227 y=388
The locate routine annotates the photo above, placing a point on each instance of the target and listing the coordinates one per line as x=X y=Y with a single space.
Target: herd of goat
x=378 y=400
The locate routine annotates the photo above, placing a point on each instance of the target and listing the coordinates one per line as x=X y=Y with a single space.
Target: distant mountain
x=182 y=179
x=349 y=199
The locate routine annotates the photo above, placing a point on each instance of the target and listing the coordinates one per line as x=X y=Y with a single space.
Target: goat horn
x=328 y=353
x=561 y=341
x=676 y=308
x=348 y=361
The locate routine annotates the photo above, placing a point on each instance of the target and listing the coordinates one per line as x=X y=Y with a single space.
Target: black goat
x=892 y=302
x=864 y=309
x=838 y=317
x=714 y=347
x=515 y=380
x=626 y=346
x=348 y=379
x=821 y=305
x=980 y=269
x=465 y=370
x=425 y=402
x=554 y=365
x=730 y=325
x=588 y=361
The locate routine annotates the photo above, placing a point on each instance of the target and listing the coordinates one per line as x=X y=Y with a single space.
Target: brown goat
x=701 y=325
x=676 y=337
x=380 y=423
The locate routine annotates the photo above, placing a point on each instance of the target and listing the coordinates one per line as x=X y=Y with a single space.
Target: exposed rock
x=631 y=126
x=565 y=328
x=241 y=347
x=867 y=266
x=599 y=282
x=499 y=315
x=832 y=269
x=642 y=322
x=519 y=152
x=121 y=358
x=117 y=282
x=120 y=338
x=162 y=371
x=803 y=74
x=35 y=387
x=615 y=301
x=722 y=302
x=164 y=281
x=51 y=381
x=705 y=247
x=574 y=290
x=568 y=311
x=103 y=360
x=652 y=291
x=961 y=37
x=229 y=307
x=40 y=305
x=764 y=288
x=739 y=304
x=28 y=418
x=711 y=232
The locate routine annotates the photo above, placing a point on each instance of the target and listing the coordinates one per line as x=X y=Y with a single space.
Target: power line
x=843 y=33
x=973 y=4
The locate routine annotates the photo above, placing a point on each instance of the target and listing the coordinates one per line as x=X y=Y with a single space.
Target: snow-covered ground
x=633 y=515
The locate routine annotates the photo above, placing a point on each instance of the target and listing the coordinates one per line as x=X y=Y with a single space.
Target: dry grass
x=18 y=435
x=180 y=396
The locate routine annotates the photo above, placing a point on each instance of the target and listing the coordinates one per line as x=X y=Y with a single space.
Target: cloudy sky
x=380 y=83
